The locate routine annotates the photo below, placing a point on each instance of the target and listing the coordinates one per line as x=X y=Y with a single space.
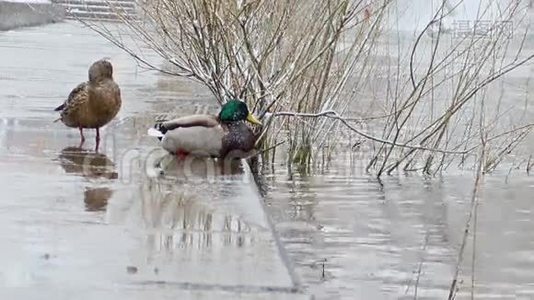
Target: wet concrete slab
x=75 y=223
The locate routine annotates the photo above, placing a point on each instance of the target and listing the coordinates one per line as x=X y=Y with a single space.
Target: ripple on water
x=379 y=239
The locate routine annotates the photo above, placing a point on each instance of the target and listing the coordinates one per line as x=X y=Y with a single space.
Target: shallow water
x=354 y=237
x=86 y=225
x=74 y=222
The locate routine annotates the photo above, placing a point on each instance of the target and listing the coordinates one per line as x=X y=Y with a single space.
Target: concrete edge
x=16 y=14
x=286 y=260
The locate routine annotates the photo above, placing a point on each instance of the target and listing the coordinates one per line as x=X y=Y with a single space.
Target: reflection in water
x=87 y=163
x=168 y=205
x=182 y=216
x=90 y=165
x=200 y=167
x=400 y=238
x=96 y=199
x=331 y=223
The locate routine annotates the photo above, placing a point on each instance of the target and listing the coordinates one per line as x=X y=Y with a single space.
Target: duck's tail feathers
x=58 y=119
x=60 y=108
x=156 y=132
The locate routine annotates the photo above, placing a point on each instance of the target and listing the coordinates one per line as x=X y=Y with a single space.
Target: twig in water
x=420 y=267
x=529 y=164
x=323 y=275
x=258 y=153
x=473 y=255
x=472 y=211
x=334 y=115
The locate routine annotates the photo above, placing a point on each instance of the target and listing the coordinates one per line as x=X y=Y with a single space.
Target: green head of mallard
x=235 y=111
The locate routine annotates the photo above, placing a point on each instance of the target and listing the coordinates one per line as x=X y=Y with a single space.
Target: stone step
x=117 y=3
x=105 y=16
x=86 y=8
x=98 y=10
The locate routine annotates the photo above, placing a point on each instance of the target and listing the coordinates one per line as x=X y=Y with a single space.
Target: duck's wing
x=191 y=121
x=77 y=97
x=161 y=128
x=199 y=135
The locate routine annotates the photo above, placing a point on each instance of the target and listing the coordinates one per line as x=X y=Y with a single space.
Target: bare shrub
x=326 y=70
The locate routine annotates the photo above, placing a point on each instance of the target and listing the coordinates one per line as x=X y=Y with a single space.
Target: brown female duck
x=92 y=104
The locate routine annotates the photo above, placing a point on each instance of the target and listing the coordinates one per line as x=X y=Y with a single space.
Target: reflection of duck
x=205 y=135
x=96 y=198
x=186 y=219
x=90 y=164
x=200 y=167
x=94 y=103
x=87 y=163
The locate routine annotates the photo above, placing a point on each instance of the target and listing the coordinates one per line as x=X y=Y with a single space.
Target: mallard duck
x=209 y=135
x=92 y=104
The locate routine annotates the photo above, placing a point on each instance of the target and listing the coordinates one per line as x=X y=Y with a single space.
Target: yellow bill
x=252 y=119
